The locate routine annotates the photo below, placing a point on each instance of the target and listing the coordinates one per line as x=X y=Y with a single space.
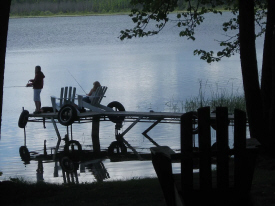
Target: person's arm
x=90 y=93
x=30 y=83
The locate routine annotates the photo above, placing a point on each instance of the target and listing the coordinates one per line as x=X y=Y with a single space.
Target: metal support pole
x=119 y=137
x=59 y=138
x=71 y=132
x=25 y=139
x=132 y=148
x=95 y=134
x=148 y=129
x=130 y=127
x=64 y=176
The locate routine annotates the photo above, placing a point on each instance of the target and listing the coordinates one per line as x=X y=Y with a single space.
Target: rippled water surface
x=143 y=74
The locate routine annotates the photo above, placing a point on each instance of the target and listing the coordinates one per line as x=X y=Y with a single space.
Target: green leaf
x=219 y=53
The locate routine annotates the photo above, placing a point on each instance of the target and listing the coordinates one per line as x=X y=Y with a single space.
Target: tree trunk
x=271 y=135
x=266 y=82
x=250 y=69
x=4 y=23
x=268 y=79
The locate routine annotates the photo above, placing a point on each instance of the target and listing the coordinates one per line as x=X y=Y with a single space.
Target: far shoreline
x=13 y=16
x=67 y=15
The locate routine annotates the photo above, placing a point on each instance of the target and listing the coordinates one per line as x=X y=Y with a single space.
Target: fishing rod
x=77 y=82
x=15 y=86
x=28 y=85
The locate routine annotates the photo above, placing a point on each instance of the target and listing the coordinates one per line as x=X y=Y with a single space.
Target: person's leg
x=36 y=105
x=86 y=99
x=36 y=98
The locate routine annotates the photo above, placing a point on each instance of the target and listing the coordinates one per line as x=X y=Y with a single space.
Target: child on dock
x=37 y=84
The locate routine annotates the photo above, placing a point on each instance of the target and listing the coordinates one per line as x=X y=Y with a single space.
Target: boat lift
x=66 y=112
x=120 y=145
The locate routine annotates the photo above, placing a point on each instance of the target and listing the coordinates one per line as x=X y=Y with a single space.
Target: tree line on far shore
x=52 y=7
x=55 y=7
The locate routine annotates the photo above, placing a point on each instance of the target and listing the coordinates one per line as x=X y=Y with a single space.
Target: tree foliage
x=260 y=98
x=157 y=12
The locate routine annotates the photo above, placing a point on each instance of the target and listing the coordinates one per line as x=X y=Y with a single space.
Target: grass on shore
x=146 y=192
x=132 y=192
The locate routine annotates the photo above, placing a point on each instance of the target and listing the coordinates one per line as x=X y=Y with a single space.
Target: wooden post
x=186 y=154
x=222 y=148
x=95 y=134
x=240 y=170
x=205 y=148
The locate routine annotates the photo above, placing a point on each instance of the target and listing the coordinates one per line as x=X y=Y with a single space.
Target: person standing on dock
x=37 y=83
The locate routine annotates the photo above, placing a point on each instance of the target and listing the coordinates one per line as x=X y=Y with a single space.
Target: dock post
x=95 y=134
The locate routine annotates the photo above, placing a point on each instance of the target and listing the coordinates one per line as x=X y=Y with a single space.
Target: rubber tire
x=23 y=118
x=67 y=164
x=118 y=146
x=116 y=106
x=72 y=117
x=73 y=154
x=24 y=153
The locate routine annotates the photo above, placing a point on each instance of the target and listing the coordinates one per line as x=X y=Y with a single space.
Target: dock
x=130 y=116
x=94 y=118
x=154 y=118
x=119 y=144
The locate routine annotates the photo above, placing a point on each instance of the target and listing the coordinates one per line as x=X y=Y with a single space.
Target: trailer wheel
x=71 y=151
x=116 y=106
x=117 y=147
x=24 y=153
x=67 y=164
x=23 y=118
x=67 y=115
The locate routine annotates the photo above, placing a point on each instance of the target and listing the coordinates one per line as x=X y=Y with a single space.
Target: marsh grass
x=212 y=97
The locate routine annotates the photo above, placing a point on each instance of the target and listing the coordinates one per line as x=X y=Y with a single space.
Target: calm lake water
x=142 y=74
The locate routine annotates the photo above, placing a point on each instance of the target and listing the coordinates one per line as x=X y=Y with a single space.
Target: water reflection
x=71 y=162
x=97 y=168
x=143 y=74
x=69 y=169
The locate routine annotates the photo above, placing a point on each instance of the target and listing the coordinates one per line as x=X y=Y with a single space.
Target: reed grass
x=212 y=97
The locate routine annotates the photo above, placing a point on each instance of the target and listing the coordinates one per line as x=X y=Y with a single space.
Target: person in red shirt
x=37 y=83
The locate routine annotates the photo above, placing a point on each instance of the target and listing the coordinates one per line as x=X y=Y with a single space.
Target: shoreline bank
x=145 y=191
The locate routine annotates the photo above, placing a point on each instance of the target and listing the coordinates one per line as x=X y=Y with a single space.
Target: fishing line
x=14 y=86
x=77 y=82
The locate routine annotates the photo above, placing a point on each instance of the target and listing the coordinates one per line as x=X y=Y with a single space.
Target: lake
x=143 y=74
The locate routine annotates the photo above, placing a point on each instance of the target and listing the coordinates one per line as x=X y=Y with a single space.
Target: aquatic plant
x=212 y=97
